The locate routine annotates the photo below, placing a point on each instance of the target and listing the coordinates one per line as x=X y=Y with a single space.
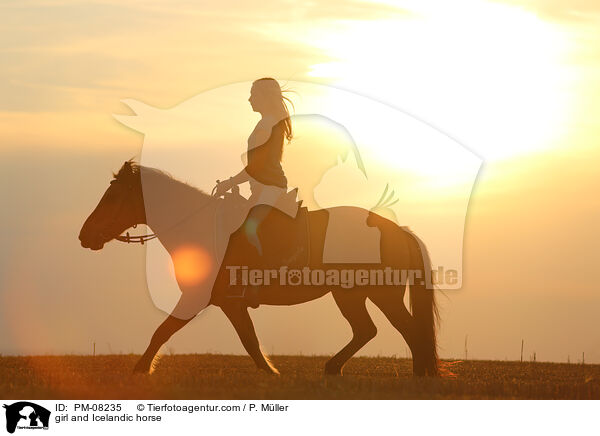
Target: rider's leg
x=255 y=217
x=265 y=195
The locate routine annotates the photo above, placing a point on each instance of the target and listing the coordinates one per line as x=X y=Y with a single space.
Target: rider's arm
x=240 y=177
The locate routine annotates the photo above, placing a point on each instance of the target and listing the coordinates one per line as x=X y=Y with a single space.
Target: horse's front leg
x=239 y=317
x=162 y=334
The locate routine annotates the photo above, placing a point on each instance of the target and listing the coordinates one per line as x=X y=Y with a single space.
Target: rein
x=141 y=239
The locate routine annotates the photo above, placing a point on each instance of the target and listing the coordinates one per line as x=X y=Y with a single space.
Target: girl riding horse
x=265 y=149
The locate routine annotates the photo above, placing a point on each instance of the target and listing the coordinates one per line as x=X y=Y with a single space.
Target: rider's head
x=266 y=97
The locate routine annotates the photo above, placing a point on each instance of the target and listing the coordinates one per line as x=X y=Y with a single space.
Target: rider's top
x=265 y=149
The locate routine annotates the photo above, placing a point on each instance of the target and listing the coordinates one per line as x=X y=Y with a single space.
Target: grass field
x=235 y=377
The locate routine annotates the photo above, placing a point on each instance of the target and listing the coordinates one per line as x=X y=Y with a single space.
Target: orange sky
x=514 y=81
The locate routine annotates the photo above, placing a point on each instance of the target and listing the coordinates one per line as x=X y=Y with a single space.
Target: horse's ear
x=127 y=166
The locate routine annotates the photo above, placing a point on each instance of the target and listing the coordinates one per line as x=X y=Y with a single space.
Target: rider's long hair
x=271 y=91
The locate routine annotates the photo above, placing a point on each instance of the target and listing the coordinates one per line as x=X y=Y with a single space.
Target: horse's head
x=121 y=207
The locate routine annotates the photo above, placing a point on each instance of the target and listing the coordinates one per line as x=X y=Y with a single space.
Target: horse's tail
x=424 y=311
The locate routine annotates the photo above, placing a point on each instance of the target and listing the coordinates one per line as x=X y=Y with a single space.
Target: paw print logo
x=294 y=277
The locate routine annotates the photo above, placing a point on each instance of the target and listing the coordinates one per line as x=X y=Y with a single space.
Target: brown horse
x=123 y=206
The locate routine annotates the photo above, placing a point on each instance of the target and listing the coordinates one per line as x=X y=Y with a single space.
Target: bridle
x=136 y=239
x=142 y=239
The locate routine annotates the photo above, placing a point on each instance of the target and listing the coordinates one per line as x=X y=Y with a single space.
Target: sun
x=491 y=76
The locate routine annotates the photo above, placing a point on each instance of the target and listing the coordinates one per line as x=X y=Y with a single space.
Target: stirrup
x=248 y=293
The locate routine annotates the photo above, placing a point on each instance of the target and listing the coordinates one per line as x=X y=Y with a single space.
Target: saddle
x=284 y=230
x=285 y=239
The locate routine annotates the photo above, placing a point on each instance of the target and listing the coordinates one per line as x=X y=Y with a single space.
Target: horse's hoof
x=332 y=370
x=271 y=371
x=141 y=369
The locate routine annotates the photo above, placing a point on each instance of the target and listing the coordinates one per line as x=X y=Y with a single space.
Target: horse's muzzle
x=94 y=244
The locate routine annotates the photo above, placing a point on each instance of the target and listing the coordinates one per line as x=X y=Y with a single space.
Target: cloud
x=561 y=10
x=64 y=55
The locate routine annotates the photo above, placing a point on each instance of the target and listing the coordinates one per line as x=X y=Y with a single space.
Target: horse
x=123 y=206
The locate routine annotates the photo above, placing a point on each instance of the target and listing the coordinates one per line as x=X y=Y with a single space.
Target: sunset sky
x=515 y=82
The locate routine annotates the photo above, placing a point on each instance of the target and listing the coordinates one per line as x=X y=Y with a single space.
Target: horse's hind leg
x=239 y=317
x=391 y=303
x=352 y=306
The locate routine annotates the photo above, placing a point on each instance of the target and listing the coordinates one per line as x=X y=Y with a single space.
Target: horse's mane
x=133 y=169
